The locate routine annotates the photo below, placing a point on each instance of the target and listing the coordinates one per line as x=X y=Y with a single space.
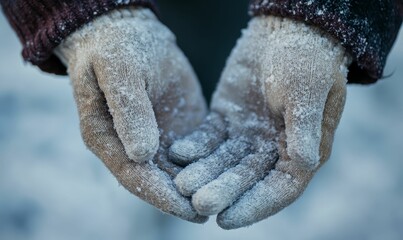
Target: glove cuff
x=278 y=28
x=367 y=29
x=42 y=24
x=68 y=47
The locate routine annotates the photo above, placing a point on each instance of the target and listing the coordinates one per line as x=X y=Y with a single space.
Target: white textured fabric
x=136 y=93
x=281 y=96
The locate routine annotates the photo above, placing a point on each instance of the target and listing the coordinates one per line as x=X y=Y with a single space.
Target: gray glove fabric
x=272 y=123
x=136 y=93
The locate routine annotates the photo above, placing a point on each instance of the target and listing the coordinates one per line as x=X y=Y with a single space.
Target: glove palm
x=134 y=89
x=272 y=122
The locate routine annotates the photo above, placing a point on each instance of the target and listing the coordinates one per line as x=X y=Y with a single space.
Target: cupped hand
x=272 y=123
x=136 y=93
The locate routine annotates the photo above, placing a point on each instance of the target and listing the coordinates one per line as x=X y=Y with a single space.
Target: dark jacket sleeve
x=42 y=24
x=366 y=28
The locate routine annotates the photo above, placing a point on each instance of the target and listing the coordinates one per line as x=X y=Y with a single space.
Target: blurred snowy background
x=52 y=188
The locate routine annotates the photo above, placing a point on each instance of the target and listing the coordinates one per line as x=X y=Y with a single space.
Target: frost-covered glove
x=136 y=93
x=272 y=122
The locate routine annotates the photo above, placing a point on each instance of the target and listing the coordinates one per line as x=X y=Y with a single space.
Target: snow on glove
x=272 y=122
x=136 y=93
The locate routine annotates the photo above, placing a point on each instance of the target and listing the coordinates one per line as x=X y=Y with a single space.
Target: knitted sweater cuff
x=366 y=28
x=42 y=25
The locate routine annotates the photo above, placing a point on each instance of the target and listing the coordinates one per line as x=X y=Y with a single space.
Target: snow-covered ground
x=51 y=187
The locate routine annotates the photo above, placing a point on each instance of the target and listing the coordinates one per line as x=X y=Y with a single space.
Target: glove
x=136 y=93
x=272 y=122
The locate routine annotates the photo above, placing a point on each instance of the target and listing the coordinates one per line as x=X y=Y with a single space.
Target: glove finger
x=303 y=123
x=201 y=143
x=131 y=109
x=229 y=186
x=154 y=186
x=143 y=180
x=266 y=198
x=331 y=117
x=198 y=174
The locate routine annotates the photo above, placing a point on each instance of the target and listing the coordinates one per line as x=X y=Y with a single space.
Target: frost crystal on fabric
x=366 y=28
x=136 y=93
x=281 y=96
x=42 y=25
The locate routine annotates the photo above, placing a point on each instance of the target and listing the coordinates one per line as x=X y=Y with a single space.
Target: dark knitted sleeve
x=366 y=28
x=42 y=24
